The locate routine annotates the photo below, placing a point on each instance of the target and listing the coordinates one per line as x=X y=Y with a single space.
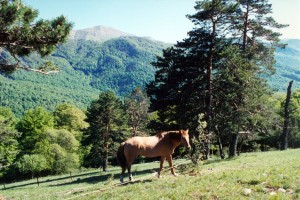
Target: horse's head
x=185 y=138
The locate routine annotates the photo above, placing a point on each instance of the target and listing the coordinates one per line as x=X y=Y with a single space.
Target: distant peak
x=98 y=33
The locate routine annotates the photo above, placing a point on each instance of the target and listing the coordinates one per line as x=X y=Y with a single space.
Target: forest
x=82 y=77
x=86 y=69
x=213 y=83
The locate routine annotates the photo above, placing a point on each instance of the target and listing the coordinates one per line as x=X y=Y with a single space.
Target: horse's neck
x=175 y=143
x=172 y=139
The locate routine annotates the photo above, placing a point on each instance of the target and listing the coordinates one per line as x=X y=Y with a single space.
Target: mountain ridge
x=97 y=33
x=287 y=66
x=87 y=68
x=121 y=63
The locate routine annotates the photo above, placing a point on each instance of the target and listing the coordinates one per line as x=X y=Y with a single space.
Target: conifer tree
x=254 y=34
x=137 y=104
x=218 y=69
x=105 y=117
x=21 y=34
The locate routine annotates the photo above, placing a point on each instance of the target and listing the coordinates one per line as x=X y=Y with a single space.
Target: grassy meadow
x=263 y=175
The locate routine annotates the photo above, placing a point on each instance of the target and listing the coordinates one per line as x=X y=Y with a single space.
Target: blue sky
x=163 y=20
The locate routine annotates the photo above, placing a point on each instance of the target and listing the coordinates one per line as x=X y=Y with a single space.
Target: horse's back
x=152 y=146
x=142 y=142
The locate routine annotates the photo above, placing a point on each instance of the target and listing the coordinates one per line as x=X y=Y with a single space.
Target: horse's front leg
x=162 y=159
x=169 y=158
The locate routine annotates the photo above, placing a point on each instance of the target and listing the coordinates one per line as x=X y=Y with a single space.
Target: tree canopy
x=218 y=69
x=106 y=116
x=21 y=34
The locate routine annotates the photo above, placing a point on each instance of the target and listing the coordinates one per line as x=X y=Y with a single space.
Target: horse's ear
x=184 y=131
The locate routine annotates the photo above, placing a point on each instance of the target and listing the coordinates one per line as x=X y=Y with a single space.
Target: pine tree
x=285 y=132
x=21 y=34
x=254 y=35
x=137 y=104
x=184 y=80
x=218 y=69
x=105 y=117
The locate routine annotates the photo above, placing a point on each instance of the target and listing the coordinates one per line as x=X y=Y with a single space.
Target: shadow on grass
x=106 y=177
x=138 y=181
x=50 y=180
x=89 y=178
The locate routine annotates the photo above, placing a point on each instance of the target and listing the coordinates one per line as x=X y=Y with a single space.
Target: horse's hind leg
x=129 y=173
x=131 y=154
x=122 y=174
x=130 y=158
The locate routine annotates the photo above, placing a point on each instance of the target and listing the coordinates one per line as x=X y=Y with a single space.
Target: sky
x=163 y=20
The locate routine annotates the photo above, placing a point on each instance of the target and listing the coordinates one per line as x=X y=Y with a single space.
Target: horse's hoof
x=121 y=179
x=131 y=178
x=175 y=174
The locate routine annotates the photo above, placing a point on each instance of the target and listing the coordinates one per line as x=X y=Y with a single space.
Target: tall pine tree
x=21 y=34
x=105 y=117
x=218 y=69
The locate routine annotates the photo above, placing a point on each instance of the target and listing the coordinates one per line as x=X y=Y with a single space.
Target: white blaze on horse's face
x=185 y=139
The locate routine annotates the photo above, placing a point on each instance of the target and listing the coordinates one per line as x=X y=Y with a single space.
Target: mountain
x=97 y=33
x=100 y=59
x=287 y=66
x=87 y=68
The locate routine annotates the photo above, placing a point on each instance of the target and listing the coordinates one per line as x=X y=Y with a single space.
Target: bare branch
x=20 y=65
x=37 y=70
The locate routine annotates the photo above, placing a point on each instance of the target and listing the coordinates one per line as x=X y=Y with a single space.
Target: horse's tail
x=121 y=156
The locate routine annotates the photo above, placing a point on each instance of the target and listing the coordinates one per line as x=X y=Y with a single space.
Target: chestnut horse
x=162 y=144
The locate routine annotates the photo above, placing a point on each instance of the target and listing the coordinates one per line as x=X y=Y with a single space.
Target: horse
x=162 y=144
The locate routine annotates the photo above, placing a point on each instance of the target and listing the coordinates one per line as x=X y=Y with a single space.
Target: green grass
x=268 y=175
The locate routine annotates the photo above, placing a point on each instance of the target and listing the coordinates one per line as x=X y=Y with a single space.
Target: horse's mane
x=173 y=133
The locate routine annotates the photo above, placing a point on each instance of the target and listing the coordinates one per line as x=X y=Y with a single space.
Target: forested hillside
x=287 y=66
x=71 y=108
x=119 y=64
x=86 y=68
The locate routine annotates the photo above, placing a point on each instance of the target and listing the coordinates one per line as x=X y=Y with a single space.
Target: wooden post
x=71 y=176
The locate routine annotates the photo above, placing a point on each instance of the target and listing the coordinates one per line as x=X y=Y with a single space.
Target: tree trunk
x=222 y=155
x=245 y=28
x=105 y=162
x=134 y=131
x=207 y=149
x=240 y=147
x=37 y=180
x=209 y=88
x=233 y=145
x=285 y=131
